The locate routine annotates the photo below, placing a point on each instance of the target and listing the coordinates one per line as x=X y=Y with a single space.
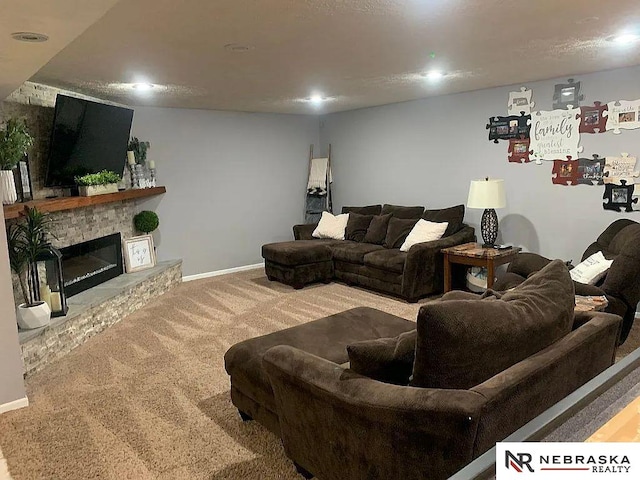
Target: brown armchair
x=620 y=241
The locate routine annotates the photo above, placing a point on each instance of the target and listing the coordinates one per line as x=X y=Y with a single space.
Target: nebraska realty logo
x=557 y=460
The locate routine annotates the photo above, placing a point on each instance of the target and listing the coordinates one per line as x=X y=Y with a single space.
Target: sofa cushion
x=368 y=210
x=353 y=252
x=454 y=216
x=397 y=231
x=399 y=211
x=357 y=226
x=423 y=231
x=387 y=360
x=391 y=260
x=462 y=343
x=331 y=226
x=298 y=252
x=377 y=231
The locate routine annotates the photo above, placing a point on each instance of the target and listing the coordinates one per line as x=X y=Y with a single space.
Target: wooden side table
x=475 y=255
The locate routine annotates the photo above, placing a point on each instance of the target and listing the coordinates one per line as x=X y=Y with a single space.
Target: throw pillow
x=423 y=231
x=377 y=231
x=454 y=216
x=591 y=270
x=368 y=210
x=397 y=231
x=462 y=343
x=357 y=226
x=331 y=226
x=387 y=360
x=399 y=211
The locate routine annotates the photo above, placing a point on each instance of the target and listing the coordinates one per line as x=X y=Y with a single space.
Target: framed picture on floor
x=139 y=253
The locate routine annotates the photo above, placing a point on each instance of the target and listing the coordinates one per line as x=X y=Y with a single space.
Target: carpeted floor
x=149 y=398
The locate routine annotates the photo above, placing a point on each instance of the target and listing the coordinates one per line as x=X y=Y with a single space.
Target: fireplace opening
x=91 y=263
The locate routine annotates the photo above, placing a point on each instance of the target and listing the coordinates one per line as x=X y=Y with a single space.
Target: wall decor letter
x=593 y=118
x=623 y=114
x=555 y=134
x=504 y=128
x=567 y=95
x=520 y=102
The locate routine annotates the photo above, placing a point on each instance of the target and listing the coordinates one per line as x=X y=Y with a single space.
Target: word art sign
x=555 y=134
x=617 y=169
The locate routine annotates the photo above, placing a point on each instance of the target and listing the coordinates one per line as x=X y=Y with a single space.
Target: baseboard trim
x=216 y=273
x=15 y=405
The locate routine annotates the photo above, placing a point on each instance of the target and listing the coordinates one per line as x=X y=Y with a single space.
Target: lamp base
x=489 y=227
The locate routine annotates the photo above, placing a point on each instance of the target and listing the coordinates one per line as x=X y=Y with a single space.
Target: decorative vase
x=8 y=187
x=33 y=317
x=91 y=190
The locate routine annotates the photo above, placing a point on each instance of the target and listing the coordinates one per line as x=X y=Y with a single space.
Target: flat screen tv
x=87 y=137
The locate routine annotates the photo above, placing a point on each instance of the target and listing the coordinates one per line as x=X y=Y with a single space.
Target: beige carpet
x=149 y=398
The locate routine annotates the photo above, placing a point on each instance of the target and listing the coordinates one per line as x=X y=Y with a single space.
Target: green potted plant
x=139 y=149
x=98 y=183
x=146 y=221
x=27 y=239
x=14 y=142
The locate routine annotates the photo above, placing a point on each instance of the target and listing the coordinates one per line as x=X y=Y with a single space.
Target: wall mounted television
x=87 y=137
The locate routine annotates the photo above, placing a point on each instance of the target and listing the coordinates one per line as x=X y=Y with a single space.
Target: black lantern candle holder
x=47 y=281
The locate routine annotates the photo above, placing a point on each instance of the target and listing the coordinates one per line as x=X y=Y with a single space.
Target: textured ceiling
x=358 y=52
x=61 y=20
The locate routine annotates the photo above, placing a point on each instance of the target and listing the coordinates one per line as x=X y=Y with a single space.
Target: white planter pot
x=8 y=187
x=92 y=190
x=33 y=317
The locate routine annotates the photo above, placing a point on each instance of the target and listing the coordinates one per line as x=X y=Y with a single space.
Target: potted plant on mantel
x=14 y=142
x=139 y=149
x=98 y=183
x=27 y=240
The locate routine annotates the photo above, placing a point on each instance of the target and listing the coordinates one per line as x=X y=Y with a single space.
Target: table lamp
x=487 y=194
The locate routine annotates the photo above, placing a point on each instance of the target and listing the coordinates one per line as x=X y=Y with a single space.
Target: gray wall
x=234 y=182
x=426 y=152
x=11 y=384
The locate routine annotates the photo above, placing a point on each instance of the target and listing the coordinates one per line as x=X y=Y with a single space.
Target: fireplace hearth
x=91 y=263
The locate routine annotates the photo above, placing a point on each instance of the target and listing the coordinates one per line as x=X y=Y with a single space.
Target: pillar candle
x=56 y=302
x=45 y=294
x=152 y=164
x=131 y=157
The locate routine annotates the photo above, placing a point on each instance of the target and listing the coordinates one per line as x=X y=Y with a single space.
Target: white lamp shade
x=487 y=194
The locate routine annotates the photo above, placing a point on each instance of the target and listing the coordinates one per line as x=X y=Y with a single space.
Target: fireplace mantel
x=71 y=203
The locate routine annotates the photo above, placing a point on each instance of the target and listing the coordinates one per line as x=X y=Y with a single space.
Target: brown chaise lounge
x=482 y=368
x=371 y=257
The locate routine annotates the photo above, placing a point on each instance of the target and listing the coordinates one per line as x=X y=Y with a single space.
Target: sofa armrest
x=526 y=389
x=424 y=267
x=304 y=231
x=338 y=424
x=526 y=263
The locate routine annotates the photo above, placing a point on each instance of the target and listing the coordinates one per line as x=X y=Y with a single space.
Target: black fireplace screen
x=91 y=263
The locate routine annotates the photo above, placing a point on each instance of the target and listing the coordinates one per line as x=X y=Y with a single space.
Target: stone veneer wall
x=58 y=340
x=35 y=103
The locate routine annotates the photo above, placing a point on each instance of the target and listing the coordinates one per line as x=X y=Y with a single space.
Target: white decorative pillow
x=331 y=226
x=591 y=270
x=424 y=231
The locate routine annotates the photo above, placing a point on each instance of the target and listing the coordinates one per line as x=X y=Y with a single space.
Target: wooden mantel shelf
x=71 y=203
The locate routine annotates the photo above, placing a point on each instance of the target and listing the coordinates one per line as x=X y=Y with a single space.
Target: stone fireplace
x=88 y=264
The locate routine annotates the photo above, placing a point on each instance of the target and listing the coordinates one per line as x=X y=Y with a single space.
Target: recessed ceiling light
x=624 y=38
x=238 y=48
x=316 y=99
x=29 y=37
x=434 y=75
x=143 y=87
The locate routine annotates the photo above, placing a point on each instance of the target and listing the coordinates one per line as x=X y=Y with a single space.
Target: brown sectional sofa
x=381 y=267
x=427 y=402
